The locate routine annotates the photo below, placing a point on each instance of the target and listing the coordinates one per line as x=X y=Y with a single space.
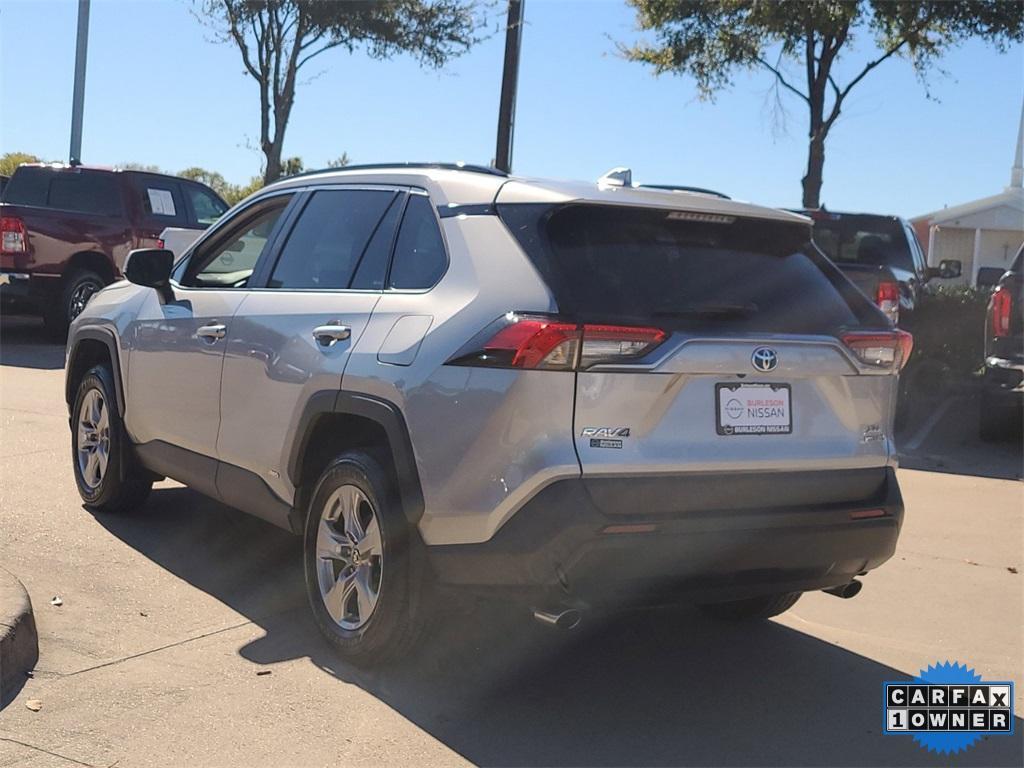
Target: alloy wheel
x=93 y=439
x=349 y=557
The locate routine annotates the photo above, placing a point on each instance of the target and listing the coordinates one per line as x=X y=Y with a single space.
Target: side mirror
x=150 y=267
x=948 y=268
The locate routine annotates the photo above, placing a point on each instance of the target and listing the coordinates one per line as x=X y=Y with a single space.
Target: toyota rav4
x=582 y=395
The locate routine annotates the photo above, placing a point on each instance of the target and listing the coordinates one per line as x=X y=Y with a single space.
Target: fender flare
x=381 y=411
x=106 y=337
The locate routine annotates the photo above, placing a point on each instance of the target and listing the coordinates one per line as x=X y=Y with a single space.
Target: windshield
x=869 y=240
x=625 y=264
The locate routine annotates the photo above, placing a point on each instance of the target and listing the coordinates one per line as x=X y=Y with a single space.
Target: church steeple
x=1017 y=172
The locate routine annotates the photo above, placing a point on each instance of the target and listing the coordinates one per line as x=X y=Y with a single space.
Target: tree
x=277 y=38
x=212 y=179
x=711 y=39
x=11 y=160
x=339 y=162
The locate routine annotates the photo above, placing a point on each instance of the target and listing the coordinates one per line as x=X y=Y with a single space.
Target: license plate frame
x=758 y=429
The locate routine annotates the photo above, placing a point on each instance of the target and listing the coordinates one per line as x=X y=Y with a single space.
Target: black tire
x=753 y=608
x=397 y=617
x=123 y=485
x=78 y=287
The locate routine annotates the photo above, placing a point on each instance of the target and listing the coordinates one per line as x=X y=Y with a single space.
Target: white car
x=178 y=239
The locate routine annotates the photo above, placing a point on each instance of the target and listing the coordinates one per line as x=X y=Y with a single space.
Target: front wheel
x=107 y=477
x=763 y=607
x=362 y=563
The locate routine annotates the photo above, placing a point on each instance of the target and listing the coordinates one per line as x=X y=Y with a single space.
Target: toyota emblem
x=764 y=359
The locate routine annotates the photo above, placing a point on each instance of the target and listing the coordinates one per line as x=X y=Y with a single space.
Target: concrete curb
x=19 y=644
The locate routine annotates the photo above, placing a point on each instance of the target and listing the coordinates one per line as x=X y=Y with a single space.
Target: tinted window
x=161 y=201
x=228 y=261
x=206 y=206
x=81 y=191
x=640 y=265
x=374 y=265
x=28 y=186
x=876 y=240
x=420 y=259
x=327 y=242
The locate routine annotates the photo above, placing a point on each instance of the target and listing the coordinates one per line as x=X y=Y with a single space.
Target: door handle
x=327 y=335
x=212 y=332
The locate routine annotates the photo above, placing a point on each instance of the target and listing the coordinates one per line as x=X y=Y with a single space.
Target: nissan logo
x=764 y=359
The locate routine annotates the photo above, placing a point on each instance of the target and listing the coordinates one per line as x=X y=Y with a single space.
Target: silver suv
x=583 y=394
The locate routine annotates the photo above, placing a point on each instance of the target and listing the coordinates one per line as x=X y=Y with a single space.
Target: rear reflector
x=887 y=297
x=12 y=235
x=551 y=343
x=867 y=514
x=999 y=314
x=886 y=349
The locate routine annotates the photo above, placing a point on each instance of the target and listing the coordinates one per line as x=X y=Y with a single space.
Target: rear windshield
x=619 y=264
x=871 y=240
x=66 y=190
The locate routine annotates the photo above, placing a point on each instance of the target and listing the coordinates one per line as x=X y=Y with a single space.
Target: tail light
x=999 y=312
x=551 y=343
x=12 y=235
x=160 y=243
x=887 y=297
x=886 y=349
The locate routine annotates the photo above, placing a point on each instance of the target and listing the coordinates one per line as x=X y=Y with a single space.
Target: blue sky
x=160 y=91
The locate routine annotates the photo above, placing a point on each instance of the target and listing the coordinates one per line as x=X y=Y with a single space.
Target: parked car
x=573 y=394
x=68 y=229
x=880 y=255
x=1003 y=383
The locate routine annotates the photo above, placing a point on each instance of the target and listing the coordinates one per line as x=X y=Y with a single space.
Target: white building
x=984 y=234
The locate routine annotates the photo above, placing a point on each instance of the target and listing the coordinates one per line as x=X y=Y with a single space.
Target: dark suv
x=1003 y=391
x=66 y=231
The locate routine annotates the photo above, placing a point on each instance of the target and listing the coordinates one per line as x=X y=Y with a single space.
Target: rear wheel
x=763 y=607
x=108 y=478
x=78 y=289
x=363 y=564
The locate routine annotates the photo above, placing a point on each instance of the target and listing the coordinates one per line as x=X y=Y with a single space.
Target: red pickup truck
x=65 y=231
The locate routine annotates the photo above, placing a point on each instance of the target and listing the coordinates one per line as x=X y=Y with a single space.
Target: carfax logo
x=948 y=707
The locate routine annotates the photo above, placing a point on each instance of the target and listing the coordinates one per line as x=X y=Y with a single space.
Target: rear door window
x=325 y=247
x=642 y=265
x=161 y=202
x=420 y=258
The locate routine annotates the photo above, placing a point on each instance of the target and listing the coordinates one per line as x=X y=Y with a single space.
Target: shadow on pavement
x=946 y=439
x=24 y=343
x=665 y=687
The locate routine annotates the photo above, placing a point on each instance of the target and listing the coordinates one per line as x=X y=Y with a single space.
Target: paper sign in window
x=161 y=202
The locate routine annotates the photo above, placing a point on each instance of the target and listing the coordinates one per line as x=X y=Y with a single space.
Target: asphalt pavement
x=183 y=638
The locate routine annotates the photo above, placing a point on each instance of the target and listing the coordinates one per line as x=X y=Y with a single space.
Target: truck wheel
x=363 y=563
x=108 y=478
x=753 y=608
x=78 y=289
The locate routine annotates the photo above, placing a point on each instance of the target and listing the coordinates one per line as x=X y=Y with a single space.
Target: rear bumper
x=1004 y=377
x=643 y=540
x=23 y=291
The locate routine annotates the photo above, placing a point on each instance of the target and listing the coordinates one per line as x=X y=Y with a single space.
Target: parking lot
x=183 y=636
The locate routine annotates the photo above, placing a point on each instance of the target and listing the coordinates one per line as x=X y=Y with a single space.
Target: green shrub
x=949 y=329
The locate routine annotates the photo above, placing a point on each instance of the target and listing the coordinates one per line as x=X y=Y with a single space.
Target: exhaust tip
x=845 y=591
x=566 y=619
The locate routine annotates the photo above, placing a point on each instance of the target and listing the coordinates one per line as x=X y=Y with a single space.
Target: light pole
x=78 y=100
x=509 y=83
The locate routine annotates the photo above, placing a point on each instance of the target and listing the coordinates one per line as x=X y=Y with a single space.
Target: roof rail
x=680 y=188
x=468 y=167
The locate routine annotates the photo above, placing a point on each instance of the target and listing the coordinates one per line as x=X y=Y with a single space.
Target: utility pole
x=509 y=83
x=78 y=100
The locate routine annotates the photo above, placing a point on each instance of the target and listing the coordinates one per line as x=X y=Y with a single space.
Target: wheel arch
x=94 y=261
x=93 y=346
x=335 y=421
